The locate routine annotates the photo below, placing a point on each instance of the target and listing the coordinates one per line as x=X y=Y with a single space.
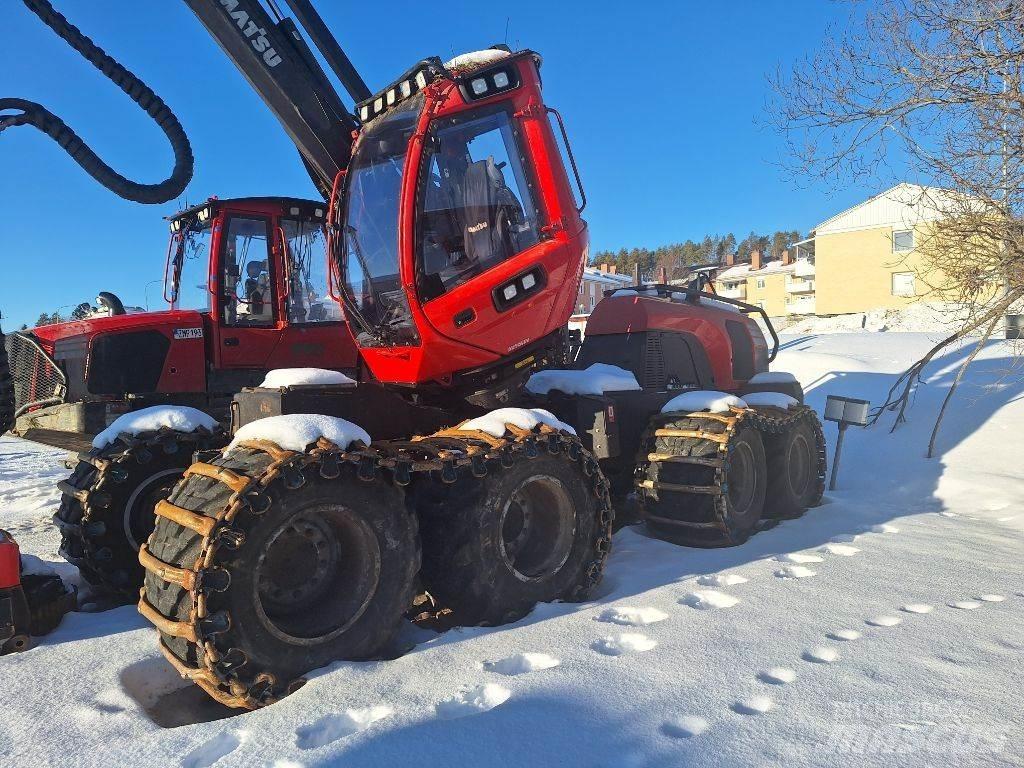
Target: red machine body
x=732 y=342
x=10 y=561
x=504 y=302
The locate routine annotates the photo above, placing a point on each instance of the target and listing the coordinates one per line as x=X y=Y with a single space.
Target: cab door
x=314 y=333
x=247 y=319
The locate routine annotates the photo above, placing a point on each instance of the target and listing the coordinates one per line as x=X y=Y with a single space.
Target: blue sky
x=662 y=104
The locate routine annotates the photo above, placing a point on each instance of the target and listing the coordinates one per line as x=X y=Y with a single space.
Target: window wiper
x=350 y=303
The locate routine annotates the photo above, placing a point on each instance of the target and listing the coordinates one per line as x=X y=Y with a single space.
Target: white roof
x=902 y=206
x=742 y=271
x=592 y=273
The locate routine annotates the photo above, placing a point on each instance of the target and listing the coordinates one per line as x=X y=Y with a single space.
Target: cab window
x=476 y=204
x=245 y=272
x=306 y=272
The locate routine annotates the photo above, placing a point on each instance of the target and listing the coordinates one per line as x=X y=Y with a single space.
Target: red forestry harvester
x=455 y=234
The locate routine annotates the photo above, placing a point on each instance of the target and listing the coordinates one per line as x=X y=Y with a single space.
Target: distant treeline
x=677 y=258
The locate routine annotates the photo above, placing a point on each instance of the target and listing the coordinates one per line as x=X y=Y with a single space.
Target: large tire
x=106 y=510
x=710 y=518
x=536 y=531
x=796 y=468
x=6 y=389
x=318 y=570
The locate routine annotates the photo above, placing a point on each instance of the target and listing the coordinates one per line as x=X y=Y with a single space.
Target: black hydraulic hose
x=42 y=119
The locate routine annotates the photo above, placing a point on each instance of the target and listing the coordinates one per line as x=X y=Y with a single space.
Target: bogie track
x=706 y=479
x=233 y=623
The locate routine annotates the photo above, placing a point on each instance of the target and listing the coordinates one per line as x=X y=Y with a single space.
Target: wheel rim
x=538 y=526
x=140 y=509
x=741 y=480
x=316 y=574
x=799 y=465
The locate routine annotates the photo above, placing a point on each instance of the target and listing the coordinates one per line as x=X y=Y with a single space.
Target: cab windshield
x=372 y=205
x=188 y=269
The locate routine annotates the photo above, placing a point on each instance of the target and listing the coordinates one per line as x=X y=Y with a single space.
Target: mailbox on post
x=844 y=411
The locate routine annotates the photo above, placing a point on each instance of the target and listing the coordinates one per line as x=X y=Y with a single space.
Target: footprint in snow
x=846 y=635
x=208 y=753
x=795 y=572
x=917 y=608
x=685 y=727
x=330 y=728
x=473 y=701
x=965 y=605
x=844 y=538
x=777 y=676
x=798 y=557
x=884 y=528
x=708 y=599
x=991 y=598
x=883 y=621
x=632 y=617
x=821 y=654
x=754 y=705
x=721 y=580
x=843 y=550
x=627 y=642
x=521 y=663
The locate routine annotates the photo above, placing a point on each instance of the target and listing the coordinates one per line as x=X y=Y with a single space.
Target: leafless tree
x=929 y=89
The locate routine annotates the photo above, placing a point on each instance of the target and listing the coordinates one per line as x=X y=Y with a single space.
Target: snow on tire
x=106 y=508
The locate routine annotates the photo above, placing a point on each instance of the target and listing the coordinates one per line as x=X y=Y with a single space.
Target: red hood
x=178 y=317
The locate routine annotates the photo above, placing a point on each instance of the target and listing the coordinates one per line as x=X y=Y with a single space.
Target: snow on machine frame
x=456 y=246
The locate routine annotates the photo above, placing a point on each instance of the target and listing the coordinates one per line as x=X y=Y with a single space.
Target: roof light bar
x=393 y=94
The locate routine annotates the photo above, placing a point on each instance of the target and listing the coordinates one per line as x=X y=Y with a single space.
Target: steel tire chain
x=443 y=452
x=768 y=420
x=75 y=523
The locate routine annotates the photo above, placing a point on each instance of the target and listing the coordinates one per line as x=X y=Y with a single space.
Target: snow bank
x=293 y=377
x=297 y=430
x=919 y=317
x=773 y=377
x=703 y=400
x=625 y=292
x=475 y=59
x=595 y=380
x=772 y=399
x=180 y=418
x=493 y=423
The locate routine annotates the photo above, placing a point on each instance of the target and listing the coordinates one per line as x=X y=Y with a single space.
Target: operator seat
x=490 y=214
x=257 y=289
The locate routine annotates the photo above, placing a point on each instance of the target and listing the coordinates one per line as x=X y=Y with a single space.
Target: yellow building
x=781 y=287
x=861 y=259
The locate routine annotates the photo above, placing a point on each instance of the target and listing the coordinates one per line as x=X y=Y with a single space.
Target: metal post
x=835 y=459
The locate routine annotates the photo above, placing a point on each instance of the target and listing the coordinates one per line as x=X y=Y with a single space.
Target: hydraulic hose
x=36 y=115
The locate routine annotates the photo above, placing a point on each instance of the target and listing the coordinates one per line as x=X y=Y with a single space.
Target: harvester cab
x=257 y=269
x=456 y=224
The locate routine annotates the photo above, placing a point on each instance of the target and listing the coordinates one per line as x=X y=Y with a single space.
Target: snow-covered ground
x=883 y=628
